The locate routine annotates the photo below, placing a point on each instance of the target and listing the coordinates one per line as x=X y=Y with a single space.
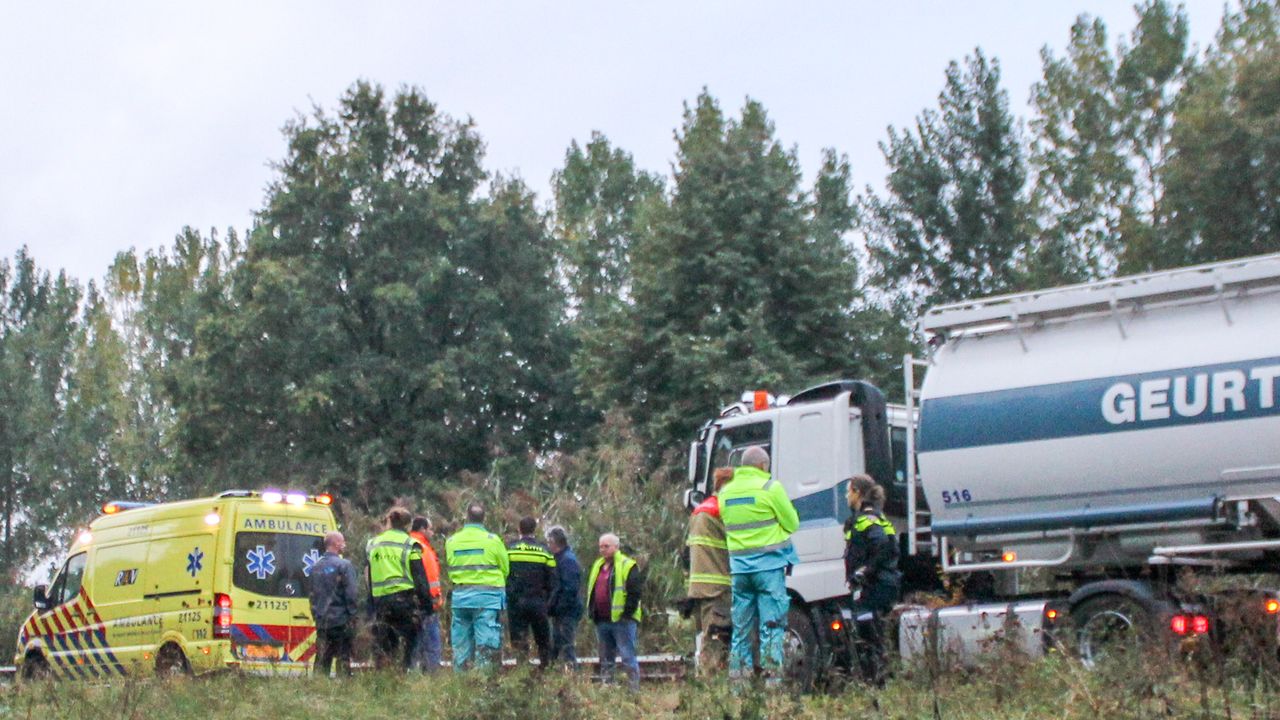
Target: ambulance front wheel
x=170 y=662
x=35 y=668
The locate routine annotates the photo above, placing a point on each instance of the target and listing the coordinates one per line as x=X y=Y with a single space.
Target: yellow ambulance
x=183 y=587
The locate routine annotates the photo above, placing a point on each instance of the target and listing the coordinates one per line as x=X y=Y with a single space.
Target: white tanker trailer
x=1111 y=432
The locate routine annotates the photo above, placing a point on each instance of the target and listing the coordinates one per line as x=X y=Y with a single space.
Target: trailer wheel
x=800 y=649
x=1107 y=626
x=171 y=663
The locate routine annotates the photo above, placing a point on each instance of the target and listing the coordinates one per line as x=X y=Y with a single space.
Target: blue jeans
x=618 y=639
x=475 y=631
x=426 y=650
x=564 y=633
x=759 y=601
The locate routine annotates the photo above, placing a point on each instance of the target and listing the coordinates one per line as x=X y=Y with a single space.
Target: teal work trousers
x=475 y=632
x=760 y=606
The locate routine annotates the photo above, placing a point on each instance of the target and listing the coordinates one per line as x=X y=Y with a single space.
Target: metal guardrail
x=8 y=672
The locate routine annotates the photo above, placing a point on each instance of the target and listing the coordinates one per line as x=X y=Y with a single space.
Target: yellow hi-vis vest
x=390 y=557
x=622 y=567
x=477 y=558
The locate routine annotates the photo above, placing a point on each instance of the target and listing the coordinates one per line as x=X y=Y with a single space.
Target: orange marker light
x=324 y=499
x=1009 y=556
x=110 y=509
x=837 y=626
x=1051 y=614
x=761 y=400
x=1273 y=606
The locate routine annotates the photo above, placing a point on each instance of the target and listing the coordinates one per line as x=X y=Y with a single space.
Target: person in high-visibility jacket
x=710 y=586
x=613 y=601
x=871 y=569
x=478 y=567
x=758 y=520
x=427 y=648
x=398 y=588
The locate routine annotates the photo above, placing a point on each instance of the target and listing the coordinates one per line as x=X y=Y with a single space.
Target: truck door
x=812 y=442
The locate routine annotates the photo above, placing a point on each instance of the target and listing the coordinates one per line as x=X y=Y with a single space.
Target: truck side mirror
x=40 y=598
x=693 y=498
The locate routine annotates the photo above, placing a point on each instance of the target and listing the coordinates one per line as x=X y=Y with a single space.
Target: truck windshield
x=276 y=564
x=731 y=442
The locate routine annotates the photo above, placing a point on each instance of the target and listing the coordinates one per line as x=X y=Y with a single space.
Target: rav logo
x=127 y=577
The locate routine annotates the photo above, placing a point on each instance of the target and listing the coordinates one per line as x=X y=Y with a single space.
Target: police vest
x=476 y=558
x=622 y=567
x=866 y=521
x=753 y=507
x=390 y=555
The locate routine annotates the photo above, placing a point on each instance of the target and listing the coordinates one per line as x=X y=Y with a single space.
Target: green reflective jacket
x=758 y=516
x=477 y=558
x=390 y=556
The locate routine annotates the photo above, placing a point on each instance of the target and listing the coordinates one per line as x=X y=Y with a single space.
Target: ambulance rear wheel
x=170 y=662
x=35 y=668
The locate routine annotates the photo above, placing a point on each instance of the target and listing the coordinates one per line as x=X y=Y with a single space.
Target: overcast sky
x=122 y=122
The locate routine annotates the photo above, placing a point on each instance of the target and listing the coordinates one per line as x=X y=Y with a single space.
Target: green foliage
x=1223 y=174
x=38 y=327
x=956 y=222
x=741 y=279
x=391 y=321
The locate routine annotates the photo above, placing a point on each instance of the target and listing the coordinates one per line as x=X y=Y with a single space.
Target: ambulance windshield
x=276 y=564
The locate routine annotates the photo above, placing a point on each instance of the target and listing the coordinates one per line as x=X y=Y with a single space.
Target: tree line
x=398 y=314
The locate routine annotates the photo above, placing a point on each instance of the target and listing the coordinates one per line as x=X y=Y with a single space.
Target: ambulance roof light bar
x=116 y=506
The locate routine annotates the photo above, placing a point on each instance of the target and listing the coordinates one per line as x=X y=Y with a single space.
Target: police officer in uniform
x=531 y=592
x=871 y=568
x=398 y=588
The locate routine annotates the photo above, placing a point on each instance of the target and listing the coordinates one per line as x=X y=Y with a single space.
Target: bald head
x=756 y=457
x=334 y=542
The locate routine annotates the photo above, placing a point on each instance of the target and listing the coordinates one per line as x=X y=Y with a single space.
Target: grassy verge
x=1053 y=687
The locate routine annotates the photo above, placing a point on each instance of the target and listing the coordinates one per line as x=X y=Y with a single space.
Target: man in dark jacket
x=613 y=591
x=532 y=586
x=333 y=605
x=567 y=609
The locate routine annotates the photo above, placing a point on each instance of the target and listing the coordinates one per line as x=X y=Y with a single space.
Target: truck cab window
x=67 y=585
x=731 y=442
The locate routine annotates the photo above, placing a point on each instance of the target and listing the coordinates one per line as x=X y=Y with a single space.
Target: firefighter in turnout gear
x=871 y=568
x=710 y=585
x=758 y=520
x=478 y=567
x=531 y=591
x=398 y=589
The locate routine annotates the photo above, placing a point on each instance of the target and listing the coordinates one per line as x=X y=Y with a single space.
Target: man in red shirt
x=613 y=592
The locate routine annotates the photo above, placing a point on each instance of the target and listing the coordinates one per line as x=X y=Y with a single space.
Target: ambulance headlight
x=84 y=537
x=212 y=519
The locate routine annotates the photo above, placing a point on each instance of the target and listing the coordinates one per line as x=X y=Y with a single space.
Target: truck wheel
x=800 y=649
x=1107 y=626
x=35 y=668
x=171 y=663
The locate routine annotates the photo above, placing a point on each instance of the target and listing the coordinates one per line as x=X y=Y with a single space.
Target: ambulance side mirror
x=693 y=498
x=39 y=597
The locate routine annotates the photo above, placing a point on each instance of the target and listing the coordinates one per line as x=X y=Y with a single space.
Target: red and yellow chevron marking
x=298 y=641
x=76 y=645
